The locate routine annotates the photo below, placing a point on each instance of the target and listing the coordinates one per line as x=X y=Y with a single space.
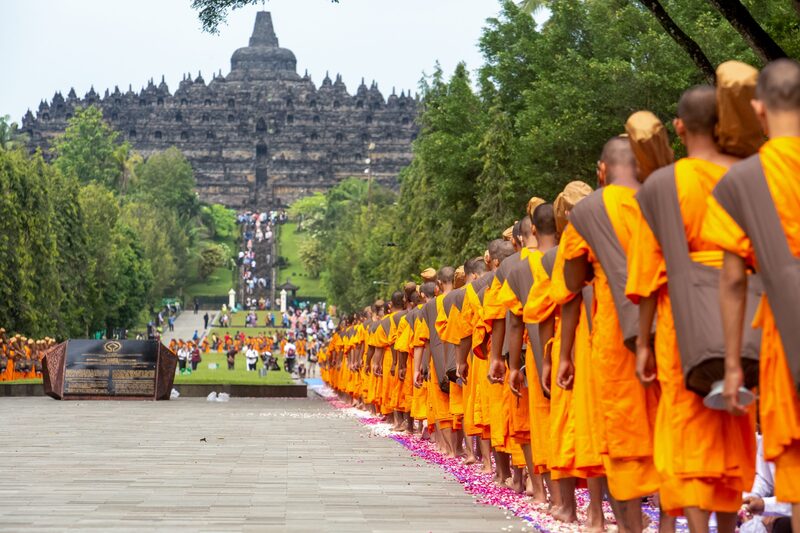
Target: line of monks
x=21 y=357
x=606 y=341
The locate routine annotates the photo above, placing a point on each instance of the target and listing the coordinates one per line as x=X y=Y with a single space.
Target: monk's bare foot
x=595 y=521
x=426 y=435
x=487 y=468
x=563 y=515
x=470 y=460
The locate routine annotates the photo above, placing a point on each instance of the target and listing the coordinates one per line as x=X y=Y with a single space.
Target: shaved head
x=428 y=289
x=619 y=160
x=778 y=85
x=413 y=298
x=494 y=247
x=697 y=108
x=526 y=227
x=504 y=250
x=544 y=218
x=397 y=299
x=409 y=288
x=476 y=265
x=516 y=231
x=617 y=152
x=446 y=274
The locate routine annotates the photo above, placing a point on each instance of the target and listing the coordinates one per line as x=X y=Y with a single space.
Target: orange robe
x=627 y=409
x=456 y=396
x=437 y=399
x=779 y=405
x=719 y=465
x=419 y=402
x=539 y=305
x=403 y=344
x=461 y=326
x=519 y=412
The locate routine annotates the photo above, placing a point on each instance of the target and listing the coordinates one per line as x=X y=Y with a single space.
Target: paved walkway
x=246 y=465
x=186 y=324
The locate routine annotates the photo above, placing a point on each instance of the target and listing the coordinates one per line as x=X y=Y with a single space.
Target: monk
x=627 y=409
x=438 y=384
x=753 y=217
x=460 y=331
x=574 y=416
x=422 y=363
x=529 y=416
x=401 y=349
x=449 y=309
x=494 y=327
x=720 y=465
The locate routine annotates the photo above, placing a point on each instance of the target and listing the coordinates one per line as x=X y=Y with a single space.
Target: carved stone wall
x=263 y=135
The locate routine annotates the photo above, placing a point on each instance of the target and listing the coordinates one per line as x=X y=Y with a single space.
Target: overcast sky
x=50 y=45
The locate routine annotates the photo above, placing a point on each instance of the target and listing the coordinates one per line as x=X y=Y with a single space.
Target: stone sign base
x=84 y=369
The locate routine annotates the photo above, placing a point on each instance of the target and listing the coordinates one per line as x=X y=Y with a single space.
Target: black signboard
x=111 y=368
x=106 y=369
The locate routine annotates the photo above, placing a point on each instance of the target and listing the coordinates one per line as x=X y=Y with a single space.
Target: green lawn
x=238 y=376
x=238 y=318
x=288 y=245
x=220 y=376
x=218 y=284
x=250 y=332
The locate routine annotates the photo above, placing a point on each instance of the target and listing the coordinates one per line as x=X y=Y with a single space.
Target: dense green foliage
x=97 y=237
x=544 y=102
x=220 y=221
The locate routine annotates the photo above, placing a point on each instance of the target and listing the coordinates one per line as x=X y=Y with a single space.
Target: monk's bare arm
x=418 y=366
x=576 y=272
x=516 y=328
x=570 y=316
x=645 y=358
x=546 y=332
x=402 y=365
x=732 y=299
x=497 y=367
x=368 y=362
x=462 y=357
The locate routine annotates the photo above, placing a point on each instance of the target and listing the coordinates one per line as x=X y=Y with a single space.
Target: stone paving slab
x=266 y=465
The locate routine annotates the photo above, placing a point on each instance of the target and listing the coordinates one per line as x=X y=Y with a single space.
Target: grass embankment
x=288 y=248
x=219 y=282
x=238 y=376
x=219 y=376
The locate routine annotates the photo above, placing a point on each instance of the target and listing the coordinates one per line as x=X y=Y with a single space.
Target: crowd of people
x=21 y=357
x=303 y=333
x=605 y=340
x=257 y=229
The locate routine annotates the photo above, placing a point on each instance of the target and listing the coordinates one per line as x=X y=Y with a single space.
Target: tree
x=101 y=211
x=211 y=257
x=166 y=179
x=89 y=149
x=751 y=31
x=212 y=13
x=132 y=278
x=679 y=36
x=312 y=256
x=220 y=221
x=153 y=232
x=309 y=212
x=10 y=136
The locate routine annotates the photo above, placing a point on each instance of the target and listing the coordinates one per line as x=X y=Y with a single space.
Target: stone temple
x=263 y=135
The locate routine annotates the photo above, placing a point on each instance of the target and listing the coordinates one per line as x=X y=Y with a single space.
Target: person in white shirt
x=251 y=355
x=760 y=502
x=290 y=353
x=183 y=358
